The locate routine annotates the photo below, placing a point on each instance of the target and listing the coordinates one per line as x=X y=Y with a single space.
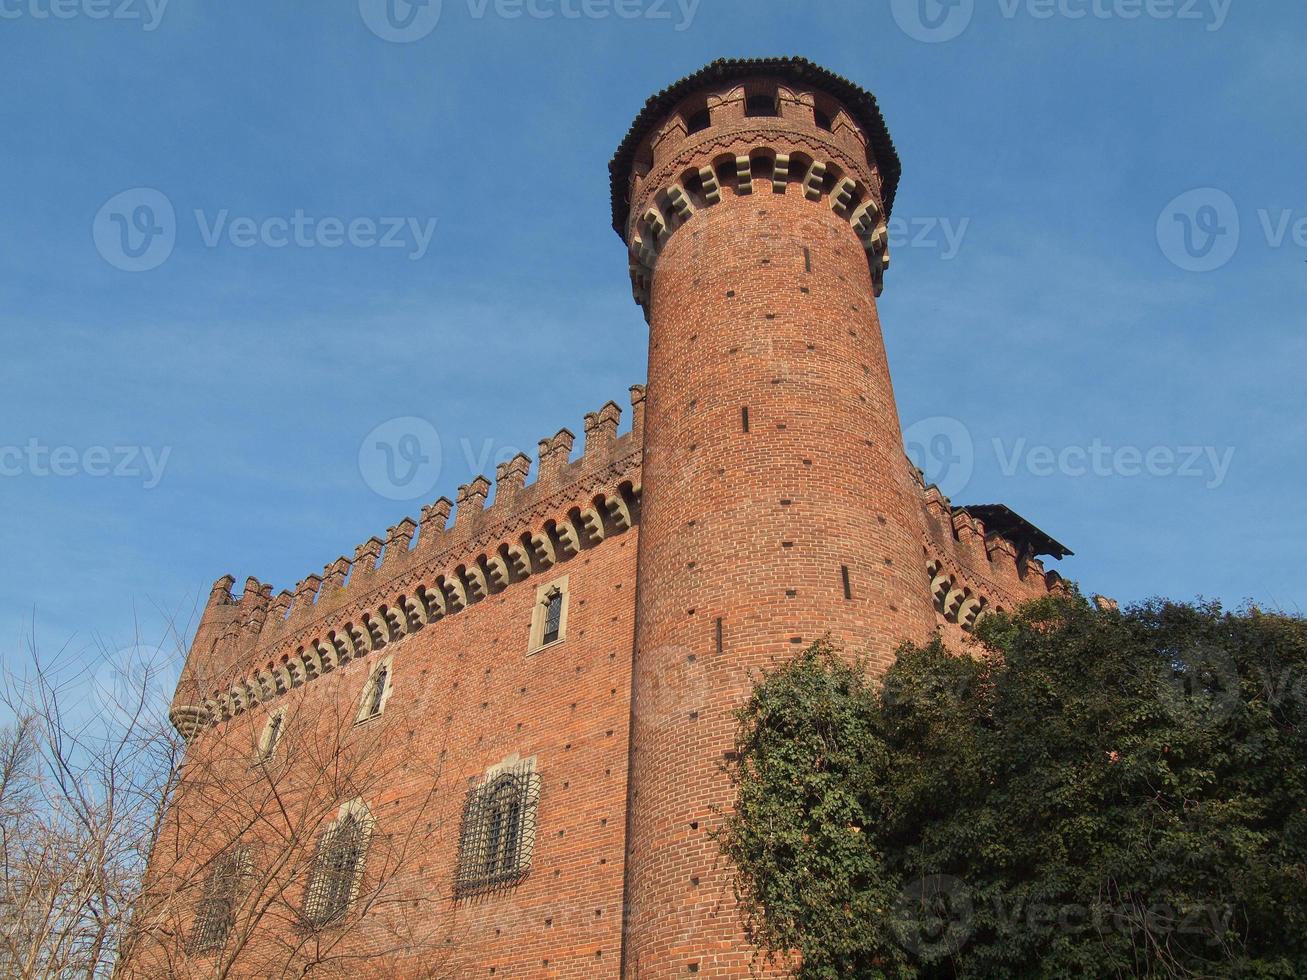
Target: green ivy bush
x=1082 y=794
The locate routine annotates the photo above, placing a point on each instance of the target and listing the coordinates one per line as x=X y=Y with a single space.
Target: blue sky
x=1041 y=307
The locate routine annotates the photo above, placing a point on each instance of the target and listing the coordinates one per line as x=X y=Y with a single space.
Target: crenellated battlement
x=974 y=570
x=780 y=126
x=254 y=646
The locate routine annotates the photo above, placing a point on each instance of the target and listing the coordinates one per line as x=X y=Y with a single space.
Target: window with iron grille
x=498 y=830
x=337 y=867
x=216 y=911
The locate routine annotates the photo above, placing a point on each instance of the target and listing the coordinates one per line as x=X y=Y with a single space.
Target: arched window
x=337 y=867
x=498 y=830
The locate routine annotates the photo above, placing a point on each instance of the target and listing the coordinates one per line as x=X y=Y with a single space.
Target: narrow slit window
x=844 y=577
x=744 y=418
x=377 y=692
x=553 y=616
x=549 y=617
x=272 y=735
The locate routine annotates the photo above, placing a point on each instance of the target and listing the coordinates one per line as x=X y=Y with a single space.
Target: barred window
x=337 y=867
x=216 y=911
x=498 y=830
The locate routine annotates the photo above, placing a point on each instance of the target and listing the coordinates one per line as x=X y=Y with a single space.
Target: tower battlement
x=784 y=123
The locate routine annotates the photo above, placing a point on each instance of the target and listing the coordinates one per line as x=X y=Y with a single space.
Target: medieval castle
x=541 y=690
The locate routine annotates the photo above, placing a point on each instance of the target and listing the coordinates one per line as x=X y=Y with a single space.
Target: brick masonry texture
x=760 y=501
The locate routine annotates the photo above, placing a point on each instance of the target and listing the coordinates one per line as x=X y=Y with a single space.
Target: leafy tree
x=1082 y=793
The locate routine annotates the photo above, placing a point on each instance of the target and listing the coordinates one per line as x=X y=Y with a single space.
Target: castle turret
x=778 y=504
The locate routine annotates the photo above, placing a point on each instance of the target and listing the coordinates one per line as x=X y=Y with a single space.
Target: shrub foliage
x=1083 y=793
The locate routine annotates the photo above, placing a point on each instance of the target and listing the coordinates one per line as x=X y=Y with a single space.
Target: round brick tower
x=778 y=505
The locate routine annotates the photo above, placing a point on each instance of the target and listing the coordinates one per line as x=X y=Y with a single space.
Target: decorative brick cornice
x=734 y=164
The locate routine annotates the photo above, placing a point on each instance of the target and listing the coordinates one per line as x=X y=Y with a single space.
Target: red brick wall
x=465 y=696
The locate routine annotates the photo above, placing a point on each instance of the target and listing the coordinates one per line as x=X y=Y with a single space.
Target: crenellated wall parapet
x=254 y=647
x=974 y=571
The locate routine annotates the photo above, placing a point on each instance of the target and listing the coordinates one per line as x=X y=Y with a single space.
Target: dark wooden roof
x=860 y=103
x=999 y=519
